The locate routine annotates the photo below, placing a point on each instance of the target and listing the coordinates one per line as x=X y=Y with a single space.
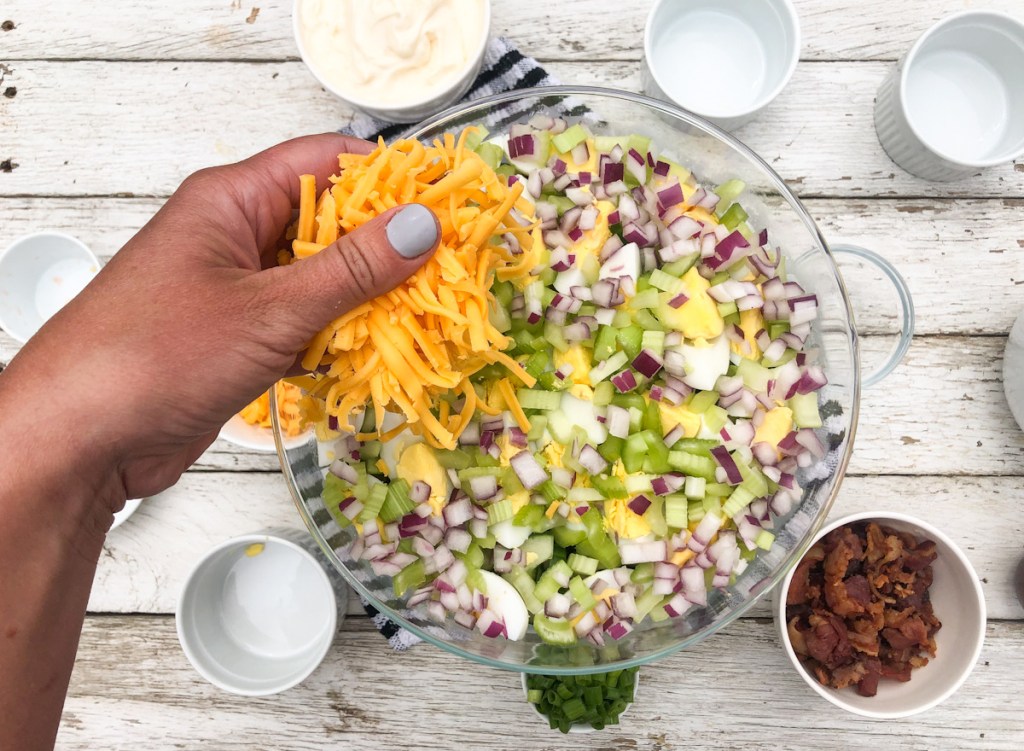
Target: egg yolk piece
x=698 y=317
x=673 y=415
x=751 y=321
x=418 y=462
x=578 y=358
x=621 y=519
x=776 y=426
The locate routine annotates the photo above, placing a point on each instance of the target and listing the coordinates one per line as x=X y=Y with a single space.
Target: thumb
x=358 y=267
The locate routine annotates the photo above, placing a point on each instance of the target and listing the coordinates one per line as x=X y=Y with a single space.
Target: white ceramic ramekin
x=955 y=103
x=411 y=111
x=259 y=612
x=959 y=604
x=724 y=60
x=39 y=274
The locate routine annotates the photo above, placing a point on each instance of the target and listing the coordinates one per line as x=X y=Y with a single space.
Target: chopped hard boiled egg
x=505 y=602
x=776 y=426
x=751 y=321
x=583 y=414
x=698 y=317
x=673 y=415
x=510 y=535
x=418 y=462
x=705 y=362
x=621 y=519
x=578 y=357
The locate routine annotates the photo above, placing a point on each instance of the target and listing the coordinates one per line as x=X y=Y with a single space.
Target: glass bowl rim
x=792 y=556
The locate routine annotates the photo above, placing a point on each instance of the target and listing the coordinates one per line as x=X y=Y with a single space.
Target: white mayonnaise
x=391 y=52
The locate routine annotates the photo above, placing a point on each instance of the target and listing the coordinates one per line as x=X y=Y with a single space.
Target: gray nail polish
x=412 y=231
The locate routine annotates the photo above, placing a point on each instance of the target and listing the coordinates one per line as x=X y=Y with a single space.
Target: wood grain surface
x=106 y=107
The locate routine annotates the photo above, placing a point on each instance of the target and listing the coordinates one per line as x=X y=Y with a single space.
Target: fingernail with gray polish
x=412 y=231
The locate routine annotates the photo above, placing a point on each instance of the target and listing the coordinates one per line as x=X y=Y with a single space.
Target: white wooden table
x=105 y=107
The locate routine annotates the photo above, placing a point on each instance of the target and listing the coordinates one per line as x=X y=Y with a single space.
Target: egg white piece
x=510 y=535
x=391 y=450
x=704 y=365
x=504 y=601
x=624 y=262
x=583 y=414
x=571 y=277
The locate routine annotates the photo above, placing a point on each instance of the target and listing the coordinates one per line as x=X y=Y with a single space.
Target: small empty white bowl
x=39 y=275
x=239 y=432
x=724 y=60
x=959 y=604
x=258 y=613
x=130 y=507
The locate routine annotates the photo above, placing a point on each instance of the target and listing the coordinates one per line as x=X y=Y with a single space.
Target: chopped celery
x=537 y=550
x=681 y=266
x=523 y=582
x=538 y=399
x=454 y=459
x=609 y=486
x=374 y=501
x=499 y=512
x=605 y=344
x=652 y=419
x=655 y=516
x=630 y=338
x=805 y=410
x=554 y=630
x=538 y=423
x=569 y=138
x=582 y=564
x=553 y=334
x=611 y=449
x=603 y=393
x=717 y=489
x=397 y=502
x=666 y=282
x=567 y=536
x=732 y=218
x=581 y=593
x=645 y=602
x=658 y=615
x=764 y=539
x=550 y=491
x=529 y=515
x=739 y=500
x=474 y=556
x=647 y=321
x=491 y=153
x=755 y=376
x=654 y=341
x=694 y=487
x=634 y=453
x=691 y=464
x=701 y=400
x=726 y=309
x=729 y=191
x=409 y=577
x=715 y=418
x=649 y=298
x=788 y=355
x=694 y=512
x=642 y=572
x=676 y=507
x=604 y=369
x=537 y=364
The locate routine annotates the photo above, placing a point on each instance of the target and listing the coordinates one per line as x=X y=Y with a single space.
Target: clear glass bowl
x=714 y=156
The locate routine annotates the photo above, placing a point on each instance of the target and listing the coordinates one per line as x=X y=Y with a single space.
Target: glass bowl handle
x=905 y=308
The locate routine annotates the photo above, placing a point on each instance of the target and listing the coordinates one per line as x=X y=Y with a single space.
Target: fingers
x=360 y=266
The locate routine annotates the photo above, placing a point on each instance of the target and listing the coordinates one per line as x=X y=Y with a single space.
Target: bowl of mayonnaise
x=397 y=60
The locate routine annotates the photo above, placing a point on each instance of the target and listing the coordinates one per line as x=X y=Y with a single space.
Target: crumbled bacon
x=858 y=608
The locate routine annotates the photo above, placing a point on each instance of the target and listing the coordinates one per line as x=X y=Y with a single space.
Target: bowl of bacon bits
x=883 y=616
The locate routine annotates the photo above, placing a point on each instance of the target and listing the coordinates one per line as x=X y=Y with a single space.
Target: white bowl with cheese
x=396 y=60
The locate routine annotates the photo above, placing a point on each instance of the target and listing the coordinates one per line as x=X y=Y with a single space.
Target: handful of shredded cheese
x=413 y=350
x=288 y=397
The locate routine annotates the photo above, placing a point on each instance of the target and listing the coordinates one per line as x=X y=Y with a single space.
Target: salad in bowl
x=585 y=423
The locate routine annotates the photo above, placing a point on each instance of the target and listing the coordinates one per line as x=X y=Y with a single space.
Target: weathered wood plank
x=87 y=128
x=145 y=561
x=981 y=243
x=144 y=692
x=941 y=412
x=220 y=30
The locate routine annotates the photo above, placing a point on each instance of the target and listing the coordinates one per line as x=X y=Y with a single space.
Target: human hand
x=192 y=319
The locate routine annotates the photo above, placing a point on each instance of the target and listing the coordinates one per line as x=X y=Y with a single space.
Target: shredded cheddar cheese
x=288 y=398
x=413 y=350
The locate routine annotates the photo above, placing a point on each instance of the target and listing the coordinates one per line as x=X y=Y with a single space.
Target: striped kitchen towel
x=504 y=68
